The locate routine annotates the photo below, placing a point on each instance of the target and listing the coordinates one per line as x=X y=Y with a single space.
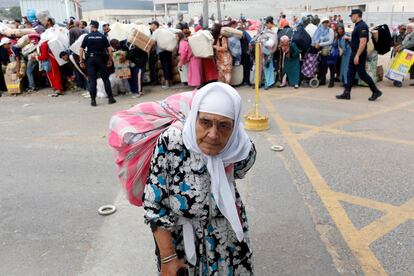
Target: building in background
x=58 y=9
x=122 y=10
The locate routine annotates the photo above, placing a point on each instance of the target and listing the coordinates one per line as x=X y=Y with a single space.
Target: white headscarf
x=227 y=103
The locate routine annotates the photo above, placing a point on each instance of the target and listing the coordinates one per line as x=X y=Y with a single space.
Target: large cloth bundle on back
x=134 y=133
x=230 y=32
x=141 y=40
x=17 y=32
x=166 y=39
x=201 y=44
x=302 y=39
x=382 y=39
x=311 y=29
x=56 y=47
x=118 y=31
x=75 y=47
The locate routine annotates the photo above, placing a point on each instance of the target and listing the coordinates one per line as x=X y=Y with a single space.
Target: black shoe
x=111 y=101
x=93 y=102
x=411 y=84
x=322 y=83
x=331 y=84
x=398 y=84
x=344 y=96
x=375 y=96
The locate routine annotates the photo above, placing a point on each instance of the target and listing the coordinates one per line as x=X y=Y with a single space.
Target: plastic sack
x=75 y=47
x=166 y=39
x=201 y=44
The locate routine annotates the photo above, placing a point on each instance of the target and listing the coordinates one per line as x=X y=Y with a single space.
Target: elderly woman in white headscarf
x=191 y=201
x=291 y=62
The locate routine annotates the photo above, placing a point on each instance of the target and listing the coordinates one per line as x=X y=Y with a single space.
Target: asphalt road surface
x=339 y=200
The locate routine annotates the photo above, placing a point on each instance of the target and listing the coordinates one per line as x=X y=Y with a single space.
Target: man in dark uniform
x=358 y=58
x=97 y=51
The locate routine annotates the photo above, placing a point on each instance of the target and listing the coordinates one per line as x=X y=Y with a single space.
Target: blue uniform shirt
x=360 y=31
x=95 y=43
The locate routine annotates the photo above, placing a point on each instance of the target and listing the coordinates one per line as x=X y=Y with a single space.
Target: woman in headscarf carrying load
x=322 y=40
x=191 y=201
x=291 y=61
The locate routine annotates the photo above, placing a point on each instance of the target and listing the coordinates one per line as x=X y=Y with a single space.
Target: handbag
x=45 y=66
x=325 y=51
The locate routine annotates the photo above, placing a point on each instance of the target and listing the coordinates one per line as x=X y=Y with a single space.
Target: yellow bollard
x=254 y=121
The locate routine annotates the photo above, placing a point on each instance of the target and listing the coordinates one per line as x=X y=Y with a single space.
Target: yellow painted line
x=359 y=117
x=340 y=132
x=366 y=258
x=387 y=223
x=365 y=202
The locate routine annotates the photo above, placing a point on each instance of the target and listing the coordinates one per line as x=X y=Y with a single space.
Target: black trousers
x=324 y=68
x=153 y=67
x=95 y=65
x=166 y=63
x=247 y=65
x=362 y=73
x=3 y=86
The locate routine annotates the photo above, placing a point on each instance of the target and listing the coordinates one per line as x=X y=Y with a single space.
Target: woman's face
x=284 y=45
x=213 y=132
x=340 y=30
x=325 y=24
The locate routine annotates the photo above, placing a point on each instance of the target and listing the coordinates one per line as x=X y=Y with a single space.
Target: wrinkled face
x=284 y=45
x=213 y=132
x=409 y=29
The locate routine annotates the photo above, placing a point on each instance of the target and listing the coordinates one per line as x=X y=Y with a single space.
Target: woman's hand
x=171 y=268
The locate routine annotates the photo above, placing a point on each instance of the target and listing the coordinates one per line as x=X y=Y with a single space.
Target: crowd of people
x=292 y=53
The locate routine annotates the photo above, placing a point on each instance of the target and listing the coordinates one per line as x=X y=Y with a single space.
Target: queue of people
x=291 y=54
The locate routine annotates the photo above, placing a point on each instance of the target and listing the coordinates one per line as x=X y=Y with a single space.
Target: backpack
x=134 y=134
x=384 y=42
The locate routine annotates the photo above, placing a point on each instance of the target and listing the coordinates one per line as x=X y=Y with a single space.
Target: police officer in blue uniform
x=358 y=58
x=98 y=59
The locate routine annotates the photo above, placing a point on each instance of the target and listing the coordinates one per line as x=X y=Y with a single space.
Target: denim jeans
x=31 y=65
x=133 y=81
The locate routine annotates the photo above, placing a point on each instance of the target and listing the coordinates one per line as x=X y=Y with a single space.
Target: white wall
x=56 y=8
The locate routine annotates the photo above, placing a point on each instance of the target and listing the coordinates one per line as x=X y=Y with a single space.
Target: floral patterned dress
x=179 y=186
x=224 y=60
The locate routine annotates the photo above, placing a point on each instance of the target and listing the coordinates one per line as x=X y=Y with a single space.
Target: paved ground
x=338 y=200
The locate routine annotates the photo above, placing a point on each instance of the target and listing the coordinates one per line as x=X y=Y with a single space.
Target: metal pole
x=205 y=14
x=218 y=10
x=257 y=77
x=67 y=9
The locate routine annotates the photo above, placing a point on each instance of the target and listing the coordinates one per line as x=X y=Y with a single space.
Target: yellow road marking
x=362 y=135
x=387 y=223
x=302 y=95
x=365 y=202
x=359 y=117
x=369 y=263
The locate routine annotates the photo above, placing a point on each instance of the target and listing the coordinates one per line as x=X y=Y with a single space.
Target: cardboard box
x=122 y=69
x=13 y=84
x=141 y=40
